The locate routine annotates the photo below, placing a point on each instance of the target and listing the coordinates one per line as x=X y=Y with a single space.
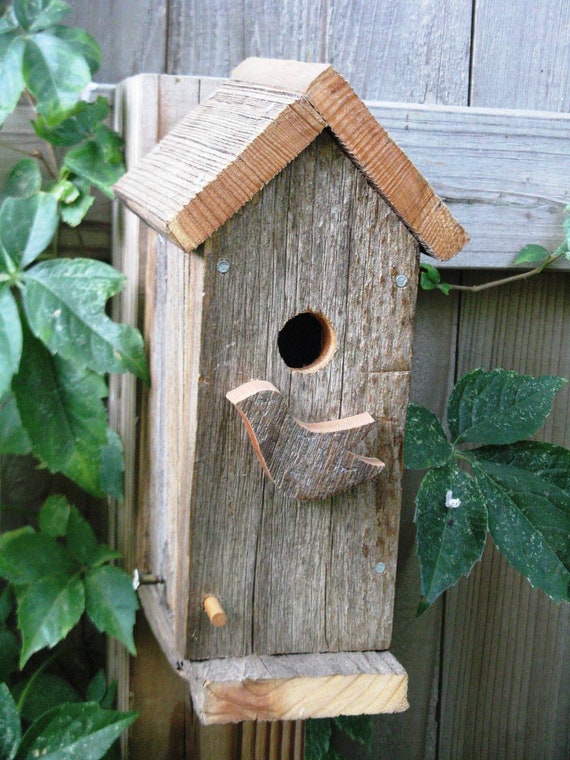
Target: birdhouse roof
x=225 y=150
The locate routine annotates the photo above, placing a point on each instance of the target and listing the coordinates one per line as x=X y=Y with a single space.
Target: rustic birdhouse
x=279 y=310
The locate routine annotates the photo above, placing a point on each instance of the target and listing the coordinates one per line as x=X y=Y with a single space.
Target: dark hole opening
x=304 y=339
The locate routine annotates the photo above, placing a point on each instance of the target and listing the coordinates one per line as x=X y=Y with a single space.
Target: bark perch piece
x=305 y=460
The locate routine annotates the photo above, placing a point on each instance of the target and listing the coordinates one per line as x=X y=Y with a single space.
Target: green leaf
x=55 y=74
x=91 y=160
x=10 y=729
x=73 y=213
x=6 y=605
x=13 y=436
x=317 y=739
x=64 y=300
x=82 y=121
x=61 y=409
x=82 y=43
x=24 y=180
x=8 y=20
x=113 y=466
x=69 y=731
x=10 y=339
x=358 y=727
x=27 y=226
x=499 y=407
x=48 y=610
x=527 y=487
x=80 y=536
x=46 y=692
x=97 y=687
x=425 y=442
x=11 y=75
x=451 y=521
x=54 y=516
x=532 y=254
x=429 y=277
x=34 y=15
x=111 y=603
x=9 y=655
x=27 y=557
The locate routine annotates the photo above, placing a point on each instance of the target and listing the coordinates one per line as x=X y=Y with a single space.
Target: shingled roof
x=225 y=150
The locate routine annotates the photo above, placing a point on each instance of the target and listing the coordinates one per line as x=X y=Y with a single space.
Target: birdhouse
x=279 y=303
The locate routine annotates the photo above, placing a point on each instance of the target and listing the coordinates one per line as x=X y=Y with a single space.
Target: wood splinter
x=305 y=460
x=215 y=611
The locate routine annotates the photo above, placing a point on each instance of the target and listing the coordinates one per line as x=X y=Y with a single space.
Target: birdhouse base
x=284 y=687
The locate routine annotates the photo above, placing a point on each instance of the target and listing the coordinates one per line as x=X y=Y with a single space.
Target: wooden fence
x=489 y=665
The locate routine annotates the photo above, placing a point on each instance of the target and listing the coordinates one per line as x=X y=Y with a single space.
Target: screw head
x=380 y=568
x=223 y=266
x=401 y=280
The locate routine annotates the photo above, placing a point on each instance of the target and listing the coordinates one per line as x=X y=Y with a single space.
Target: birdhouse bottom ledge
x=286 y=687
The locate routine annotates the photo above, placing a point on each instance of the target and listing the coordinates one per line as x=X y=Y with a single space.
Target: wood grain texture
x=506 y=677
x=305 y=461
x=517 y=54
x=132 y=35
x=239 y=521
x=297 y=686
x=390 y=51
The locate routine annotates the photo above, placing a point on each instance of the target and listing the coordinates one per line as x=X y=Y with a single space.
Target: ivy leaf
x=113 y=466
x=61 y=409
x=527 y=489
x=9 y=655
x=8 y=21
x=11 y=58
x=27 y=226
x=6 y=605
x=111 y=603
x=65 y=301
x=54 y=516
x=452 y=525
x=81 y=43
x=24 y=180
x=532 y=254
x=429 y=277
x=103 y=554
x=357 y=727
x=48 y=610
x=425 y=442
x=79 y=125
x=81 y=539
x=34 y=15
x=73 y=213
x=27 y=557
x=317 y=739
x=82 y=730
x=99 y=160
x=49 y=691
x=55 y=74
x=10 y=338
x=13 y=436
x=10 y=728
x=97 y=687
x=499 y=406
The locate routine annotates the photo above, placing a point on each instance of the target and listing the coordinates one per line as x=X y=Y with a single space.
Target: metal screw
x=223 y=266
x=401 y=280
x=145 y=579
x=380 y=568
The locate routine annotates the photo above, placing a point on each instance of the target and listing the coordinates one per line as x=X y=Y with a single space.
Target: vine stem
x=38 y=672
x=507 y=280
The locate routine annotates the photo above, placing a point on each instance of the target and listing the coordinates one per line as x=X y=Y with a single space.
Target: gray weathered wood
x=386 y=50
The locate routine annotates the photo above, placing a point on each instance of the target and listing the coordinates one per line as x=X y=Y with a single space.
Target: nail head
x=223 y=266
x=380 y=568
x=401 y=280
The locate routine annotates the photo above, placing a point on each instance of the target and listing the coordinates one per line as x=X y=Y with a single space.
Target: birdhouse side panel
x=300 y=576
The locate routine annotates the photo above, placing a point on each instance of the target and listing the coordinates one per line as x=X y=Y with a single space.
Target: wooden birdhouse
x=280 y=300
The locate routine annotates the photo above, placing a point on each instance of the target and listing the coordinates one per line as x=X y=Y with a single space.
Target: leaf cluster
x=56 y=341
x=60 y=572
x=487 y=477
x=70 y=729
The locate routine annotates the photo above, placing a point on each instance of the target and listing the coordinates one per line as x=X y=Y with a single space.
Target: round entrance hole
x=307 y=341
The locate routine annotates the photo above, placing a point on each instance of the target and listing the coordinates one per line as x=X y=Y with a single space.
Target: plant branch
x=507 y=280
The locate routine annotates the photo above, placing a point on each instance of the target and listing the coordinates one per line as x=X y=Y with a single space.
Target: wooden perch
x=304 y=460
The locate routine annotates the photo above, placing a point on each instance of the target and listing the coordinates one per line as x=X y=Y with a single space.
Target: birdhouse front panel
x=319 y=245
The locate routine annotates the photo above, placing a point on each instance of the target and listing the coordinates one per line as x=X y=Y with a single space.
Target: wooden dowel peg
x=215 y=611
